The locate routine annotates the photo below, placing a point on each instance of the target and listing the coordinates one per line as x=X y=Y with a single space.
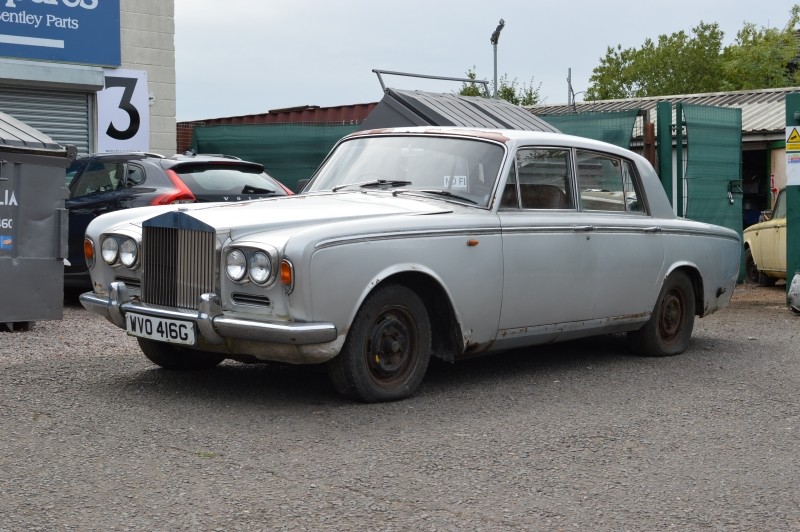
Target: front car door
x=547 y=271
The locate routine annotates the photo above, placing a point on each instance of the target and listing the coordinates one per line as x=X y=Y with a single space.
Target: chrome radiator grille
x=177 y=266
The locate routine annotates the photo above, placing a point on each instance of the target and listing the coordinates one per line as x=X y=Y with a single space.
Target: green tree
x=510 y=91
x=683 y=64
x=471 y=88
x=763 y=58
x=677 y=64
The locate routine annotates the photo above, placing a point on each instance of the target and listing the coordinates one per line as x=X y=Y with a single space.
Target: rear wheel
x=175 y=357
x=387 y=349
x=669 y=329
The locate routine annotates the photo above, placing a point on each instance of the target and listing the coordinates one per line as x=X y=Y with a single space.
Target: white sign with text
x=123 y=112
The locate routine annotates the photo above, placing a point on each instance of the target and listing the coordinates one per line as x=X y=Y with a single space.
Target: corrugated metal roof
x=400 y=108
x=763 y=111
x=18 y=135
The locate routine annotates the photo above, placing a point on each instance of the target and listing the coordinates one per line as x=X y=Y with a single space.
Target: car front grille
x=177 y=266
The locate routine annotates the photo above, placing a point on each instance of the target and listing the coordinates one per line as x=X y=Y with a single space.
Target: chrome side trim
x=409 y=234
x=693 y=232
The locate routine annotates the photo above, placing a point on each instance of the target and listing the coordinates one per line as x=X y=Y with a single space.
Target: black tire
x=175 y=357
x=387 y=350
x=752 y=274
x=669 y=329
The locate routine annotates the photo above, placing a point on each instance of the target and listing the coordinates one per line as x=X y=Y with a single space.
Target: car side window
x=98 y=177
x=539 y=180
x=606 y=183
x=135 y=174
x=510 y=197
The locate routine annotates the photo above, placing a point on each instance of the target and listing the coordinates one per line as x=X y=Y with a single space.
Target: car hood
x=286 y=211
x=766 y=224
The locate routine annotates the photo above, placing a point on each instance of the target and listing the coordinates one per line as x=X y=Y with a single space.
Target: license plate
x=161 y=329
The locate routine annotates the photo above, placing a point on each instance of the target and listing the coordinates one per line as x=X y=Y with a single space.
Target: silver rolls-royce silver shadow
x=414 y=243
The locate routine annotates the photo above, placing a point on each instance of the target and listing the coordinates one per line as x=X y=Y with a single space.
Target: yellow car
x=765 y=246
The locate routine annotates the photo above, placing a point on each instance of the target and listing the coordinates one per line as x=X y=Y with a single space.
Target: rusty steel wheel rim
x=673 y=309
x=392 y=347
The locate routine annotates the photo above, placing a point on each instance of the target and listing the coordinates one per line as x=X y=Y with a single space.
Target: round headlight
x=128 y=252
x=110 y=250
x=235 y=265
x=260 y=267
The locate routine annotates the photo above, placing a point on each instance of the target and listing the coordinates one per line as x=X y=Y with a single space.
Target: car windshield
x=72 y=170
x=457 y=169
x=780 y=206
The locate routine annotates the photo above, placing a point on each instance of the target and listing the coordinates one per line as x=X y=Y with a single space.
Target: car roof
x=505 y=136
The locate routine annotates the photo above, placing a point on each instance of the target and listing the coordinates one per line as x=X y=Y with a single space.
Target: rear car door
x=625 y=247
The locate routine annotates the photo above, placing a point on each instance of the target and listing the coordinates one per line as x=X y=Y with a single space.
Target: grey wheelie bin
x=33 y=225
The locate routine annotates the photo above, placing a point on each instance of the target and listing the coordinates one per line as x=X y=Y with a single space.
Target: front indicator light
x=260 y=267
x=128 y=252
x=287 y=276
x=110 y=250
x=235 y=265
x=88 y=251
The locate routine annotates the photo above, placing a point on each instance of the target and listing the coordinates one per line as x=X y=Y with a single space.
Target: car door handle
x=652 y=229
x=583 y=228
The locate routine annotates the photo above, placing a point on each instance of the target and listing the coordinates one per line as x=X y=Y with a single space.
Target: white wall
x=148 y=43
x=778 y=165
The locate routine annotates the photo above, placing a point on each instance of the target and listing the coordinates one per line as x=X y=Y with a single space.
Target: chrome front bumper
x=212 y=325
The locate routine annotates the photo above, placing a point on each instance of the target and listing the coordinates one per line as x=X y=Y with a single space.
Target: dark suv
x=103 y=183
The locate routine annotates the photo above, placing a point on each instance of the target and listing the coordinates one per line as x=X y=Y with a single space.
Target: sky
x=239 y=57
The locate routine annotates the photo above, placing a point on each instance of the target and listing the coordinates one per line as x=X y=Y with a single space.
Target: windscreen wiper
x=375 y=183
x=445 y=193
x=249 y=189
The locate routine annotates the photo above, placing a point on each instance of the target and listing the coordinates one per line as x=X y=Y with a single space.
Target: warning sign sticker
x=792 y=139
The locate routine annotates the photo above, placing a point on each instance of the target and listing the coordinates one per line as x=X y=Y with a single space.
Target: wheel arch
x=447 y=340
x=696 y=278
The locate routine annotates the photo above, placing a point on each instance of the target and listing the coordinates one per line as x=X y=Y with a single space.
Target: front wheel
x=670 y=326
x=170 y=356
x=752 y=274
x=387 y=349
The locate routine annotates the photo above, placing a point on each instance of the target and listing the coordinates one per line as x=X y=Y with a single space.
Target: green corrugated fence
x=289 y=152
x=713 y=165
x=614 y=127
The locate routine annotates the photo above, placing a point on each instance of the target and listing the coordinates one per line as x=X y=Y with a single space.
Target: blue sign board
x=65 y=31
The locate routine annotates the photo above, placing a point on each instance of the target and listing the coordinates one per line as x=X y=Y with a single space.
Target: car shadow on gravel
x=232 y=383
x=273 y=385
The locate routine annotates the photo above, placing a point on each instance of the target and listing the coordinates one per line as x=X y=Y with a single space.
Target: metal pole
x=792 y=188
x=495 y=37
x=495 y=71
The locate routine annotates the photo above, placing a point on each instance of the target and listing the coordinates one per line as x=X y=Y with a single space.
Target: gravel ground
x=578 y=436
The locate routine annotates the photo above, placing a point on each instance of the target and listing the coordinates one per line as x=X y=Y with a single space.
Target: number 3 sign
x=123 y=112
